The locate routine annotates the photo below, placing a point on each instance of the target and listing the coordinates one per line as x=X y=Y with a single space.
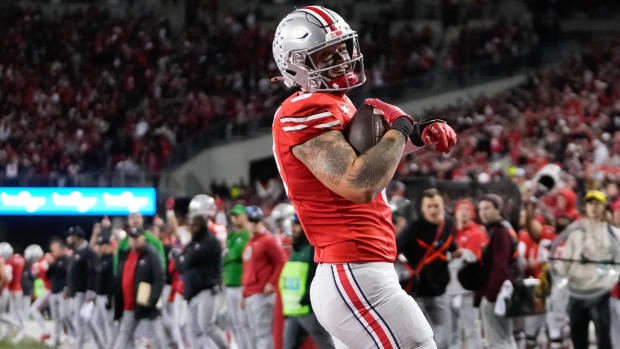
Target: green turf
x=25 y=344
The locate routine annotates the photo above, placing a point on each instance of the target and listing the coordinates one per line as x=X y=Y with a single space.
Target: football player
x=339 y=195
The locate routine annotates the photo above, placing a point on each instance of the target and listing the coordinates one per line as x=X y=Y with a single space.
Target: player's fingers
x=443 y=142
x=453 y=138
x=377 y=103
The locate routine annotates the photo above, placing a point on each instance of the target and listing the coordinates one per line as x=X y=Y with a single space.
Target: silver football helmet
x=33 y=253
x=203 y=205
x=281 y=218
x=308 y=30
x=6 y=250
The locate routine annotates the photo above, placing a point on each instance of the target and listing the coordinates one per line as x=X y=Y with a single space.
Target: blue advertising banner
x=76 y=201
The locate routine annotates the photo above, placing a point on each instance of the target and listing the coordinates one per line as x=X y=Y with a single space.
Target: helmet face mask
x=299 y=40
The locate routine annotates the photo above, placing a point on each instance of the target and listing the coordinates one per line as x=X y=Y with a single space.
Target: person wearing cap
x=591 y=239
x=138 y=287
x=104 y=285
x=200 y=268
x=82 y=276
x=59 y=261
x=263 y=259
x=500 y=265
x=136 y=221
x=294 y=284
x=233 y=269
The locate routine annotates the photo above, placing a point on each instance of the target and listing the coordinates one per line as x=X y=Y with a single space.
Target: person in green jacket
x=233 y=269
x=295 y=280
x=135 y=220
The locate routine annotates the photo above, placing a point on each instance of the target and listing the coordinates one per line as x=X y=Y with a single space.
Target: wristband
x=404 y=125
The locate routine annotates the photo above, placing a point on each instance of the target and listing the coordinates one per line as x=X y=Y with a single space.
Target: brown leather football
x=366 y=128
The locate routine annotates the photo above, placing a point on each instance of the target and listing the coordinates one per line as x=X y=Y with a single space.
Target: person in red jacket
x=469 y=236
x=263 y=259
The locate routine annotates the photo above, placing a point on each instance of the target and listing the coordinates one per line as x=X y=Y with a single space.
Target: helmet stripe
x=321 y=15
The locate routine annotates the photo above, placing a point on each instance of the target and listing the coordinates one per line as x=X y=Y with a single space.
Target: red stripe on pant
x=363 y=310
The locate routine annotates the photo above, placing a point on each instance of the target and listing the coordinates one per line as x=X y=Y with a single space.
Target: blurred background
x=175 y=95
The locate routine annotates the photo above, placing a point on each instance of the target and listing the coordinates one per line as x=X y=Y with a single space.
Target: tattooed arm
x=333 y=161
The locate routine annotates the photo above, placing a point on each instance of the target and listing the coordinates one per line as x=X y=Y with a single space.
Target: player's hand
x=268 y=289
x=157 y=221
x=105 y=222
x=441 y=134
x=458 y=253
x=390 y=112
x=170 y=203
x=242 y=302
x=96 y=229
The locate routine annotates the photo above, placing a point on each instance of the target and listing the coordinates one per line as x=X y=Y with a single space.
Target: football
x=366 y=128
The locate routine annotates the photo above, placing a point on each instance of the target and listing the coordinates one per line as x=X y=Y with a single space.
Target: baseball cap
x=595 y=195
x=495 y=200
x=76 y=231
x=255 y=214
x=237 y=210
x=135 y=232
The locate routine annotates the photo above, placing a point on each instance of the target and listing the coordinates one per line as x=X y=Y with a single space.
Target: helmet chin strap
x=342 y=81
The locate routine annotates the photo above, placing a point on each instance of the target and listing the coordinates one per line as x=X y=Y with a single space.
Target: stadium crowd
x=567 y=114
x=120 y=93
x=70 y=95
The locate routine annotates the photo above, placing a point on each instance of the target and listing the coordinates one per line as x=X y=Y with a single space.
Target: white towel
x=504 y=294
x=87 y=310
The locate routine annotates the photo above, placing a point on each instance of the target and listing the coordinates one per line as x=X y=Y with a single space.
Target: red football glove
x=390 y=112
x=441 y=134
x=170 y=203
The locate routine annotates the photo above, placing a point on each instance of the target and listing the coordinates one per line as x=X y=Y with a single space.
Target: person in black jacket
x=57 y=275
x=138 y=287
x=104 y=285
x=200 y=267
x=427 y=243
x=82 y=277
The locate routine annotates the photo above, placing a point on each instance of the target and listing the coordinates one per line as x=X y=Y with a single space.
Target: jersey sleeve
x=299 y=126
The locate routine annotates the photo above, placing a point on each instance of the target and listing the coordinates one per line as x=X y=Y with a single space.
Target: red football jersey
x=17 y=263
x=529 y=248
x=39 y=269
x=339 y=229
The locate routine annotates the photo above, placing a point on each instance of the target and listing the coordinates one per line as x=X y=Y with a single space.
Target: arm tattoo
x=332 y=157
x=328 y=153
x=379 y=161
